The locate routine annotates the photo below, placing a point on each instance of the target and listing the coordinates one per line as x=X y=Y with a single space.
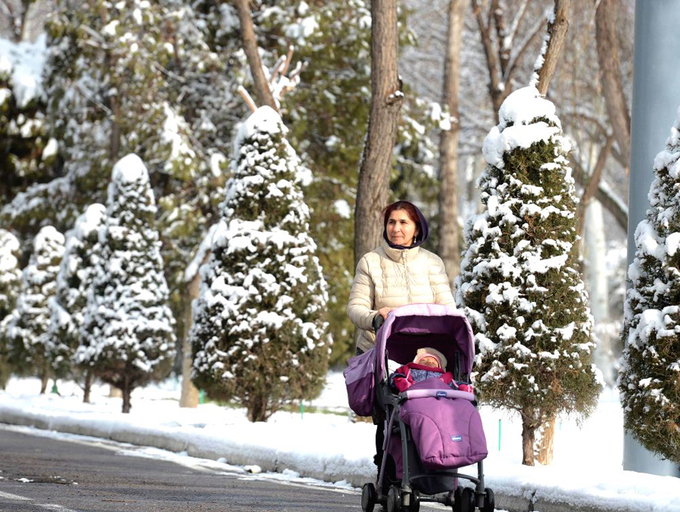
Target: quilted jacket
x=394 y=277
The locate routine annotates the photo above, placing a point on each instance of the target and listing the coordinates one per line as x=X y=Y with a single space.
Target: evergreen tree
x=26 y=330
x=650 y=375
x=28 y=154
x=520 y=283
x=127 y=333
x=10 y=287
x=74 y=280
x=259 y=330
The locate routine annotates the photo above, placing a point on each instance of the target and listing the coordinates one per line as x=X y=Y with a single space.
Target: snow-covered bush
x=26 y=330
x=520 y=282
x=127 y=333
x=75 y=277
x=649 y=378
x=10 y=286
x=259 y=330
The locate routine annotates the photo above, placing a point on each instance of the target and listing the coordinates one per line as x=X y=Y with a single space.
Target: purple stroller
x=430 y=429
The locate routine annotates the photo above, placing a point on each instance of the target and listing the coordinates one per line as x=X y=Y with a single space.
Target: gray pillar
x=656 y=98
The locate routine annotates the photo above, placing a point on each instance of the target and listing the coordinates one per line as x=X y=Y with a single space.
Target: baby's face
x=429 y=361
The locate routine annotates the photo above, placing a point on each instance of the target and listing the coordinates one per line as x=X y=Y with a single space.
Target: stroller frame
x=401 y=496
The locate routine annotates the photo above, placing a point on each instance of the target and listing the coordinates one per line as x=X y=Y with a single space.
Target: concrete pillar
x=656 y=98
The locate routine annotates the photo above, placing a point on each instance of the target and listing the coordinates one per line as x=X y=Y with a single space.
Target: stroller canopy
x=414 y=326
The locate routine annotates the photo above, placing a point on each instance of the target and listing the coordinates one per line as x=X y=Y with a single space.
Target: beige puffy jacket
x=388 y=277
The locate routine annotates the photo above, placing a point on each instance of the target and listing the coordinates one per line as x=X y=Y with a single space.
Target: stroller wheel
x=393 y=500
x=489 y=501
x=414 y=505
x=465 y=500
x=368 y=497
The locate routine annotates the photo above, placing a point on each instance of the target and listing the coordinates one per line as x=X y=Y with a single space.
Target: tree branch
x=262 y=91
x=557 y=31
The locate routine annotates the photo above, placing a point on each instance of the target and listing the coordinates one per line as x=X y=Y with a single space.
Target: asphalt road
x=40 y=473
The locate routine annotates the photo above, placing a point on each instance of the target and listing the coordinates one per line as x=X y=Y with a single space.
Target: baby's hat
x=430 y=352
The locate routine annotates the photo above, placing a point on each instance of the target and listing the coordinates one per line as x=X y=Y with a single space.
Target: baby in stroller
x=429 y=363
x=431 y=423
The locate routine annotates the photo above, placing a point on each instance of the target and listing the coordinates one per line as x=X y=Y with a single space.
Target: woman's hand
x=384 y=311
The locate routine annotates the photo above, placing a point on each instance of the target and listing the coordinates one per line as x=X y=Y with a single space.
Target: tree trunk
x=190 y=394
x=127 y=392
x=448 y=145
x=44 y=379
x=386 y=100
x=88 y=386
x=557 y=31
x=547 y=443
x=262 y=90
x=528 y=430
x=609 y=62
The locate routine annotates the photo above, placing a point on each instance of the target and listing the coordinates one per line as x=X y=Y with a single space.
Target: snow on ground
x=587 y=467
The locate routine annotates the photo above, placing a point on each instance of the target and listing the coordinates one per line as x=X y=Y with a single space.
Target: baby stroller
x=430 y=429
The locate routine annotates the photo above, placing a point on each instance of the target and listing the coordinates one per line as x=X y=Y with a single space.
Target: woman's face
x=401 y=230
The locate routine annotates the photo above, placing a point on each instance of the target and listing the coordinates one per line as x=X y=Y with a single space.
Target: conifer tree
x=259 y=330
x=26 y=330
x=68 y=306
x=10 y=287
x=649 y=377
x=127 y=334
x=520 y=282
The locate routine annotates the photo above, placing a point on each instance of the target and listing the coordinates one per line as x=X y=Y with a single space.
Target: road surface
x=40 y=473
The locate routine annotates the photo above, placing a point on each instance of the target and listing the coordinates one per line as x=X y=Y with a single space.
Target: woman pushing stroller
x=397 y=273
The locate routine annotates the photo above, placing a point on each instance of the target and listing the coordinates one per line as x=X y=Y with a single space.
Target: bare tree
x=262 y=90
x=612 y=87
x=448 y=144
x=503 y=54
x=386 y=100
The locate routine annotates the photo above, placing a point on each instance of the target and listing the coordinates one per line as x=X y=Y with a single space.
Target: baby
x=429 y=363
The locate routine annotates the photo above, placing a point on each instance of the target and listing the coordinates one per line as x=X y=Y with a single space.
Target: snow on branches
x=75 y=277
x=128 y=326
x=259 y=330
x=26 y=331
x=650 y=375
x=520 y=283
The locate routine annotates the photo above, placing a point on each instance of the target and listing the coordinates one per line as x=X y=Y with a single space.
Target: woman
x=397 y=273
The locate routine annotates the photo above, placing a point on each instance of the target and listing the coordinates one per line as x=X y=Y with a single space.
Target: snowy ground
x=587 y=469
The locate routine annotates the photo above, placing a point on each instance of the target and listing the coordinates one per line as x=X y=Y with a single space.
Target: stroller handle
x=378 y=320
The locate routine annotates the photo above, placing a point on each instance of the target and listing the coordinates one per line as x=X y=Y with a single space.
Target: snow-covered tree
x=26 y=330
x=520 y=282
x=74 y=280
x=28 y=153
x=127 y=334
x=259 y=330
x=649 y=378
x=10 y=286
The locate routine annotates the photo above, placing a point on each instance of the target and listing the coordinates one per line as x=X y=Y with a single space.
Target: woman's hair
x=408 y=208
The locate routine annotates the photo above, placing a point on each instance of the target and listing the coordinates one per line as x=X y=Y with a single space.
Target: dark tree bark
x=386 y=100
x=262 y=91
x=528 y=439
x=610 y=75
x=87 y=390
x=448 y=145
x=557 y=31
x=126 y=388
